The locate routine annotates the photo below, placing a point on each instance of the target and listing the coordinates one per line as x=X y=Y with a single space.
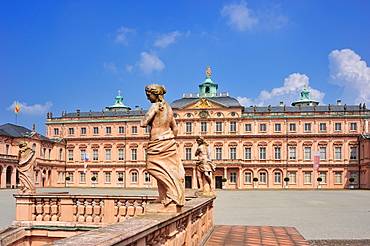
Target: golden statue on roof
x=208 y=71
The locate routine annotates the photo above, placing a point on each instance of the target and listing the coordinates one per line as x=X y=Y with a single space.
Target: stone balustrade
x=82 y=210
x=190 y=226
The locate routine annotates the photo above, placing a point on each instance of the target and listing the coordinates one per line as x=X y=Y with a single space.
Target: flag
x=86 y=160
x=16 y=109
x=316 y=160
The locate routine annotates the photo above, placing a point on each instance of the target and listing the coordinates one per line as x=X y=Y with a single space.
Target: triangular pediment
x=203 y=103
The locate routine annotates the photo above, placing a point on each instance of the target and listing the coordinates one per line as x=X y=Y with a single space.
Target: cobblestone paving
x=351 y=242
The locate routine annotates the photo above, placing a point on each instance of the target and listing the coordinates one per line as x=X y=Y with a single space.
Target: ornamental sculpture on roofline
x=208 y=71
x=162 y=159
x=25 y=168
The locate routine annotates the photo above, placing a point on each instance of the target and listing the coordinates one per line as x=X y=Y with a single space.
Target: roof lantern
x=305 y=99
x=119 y=104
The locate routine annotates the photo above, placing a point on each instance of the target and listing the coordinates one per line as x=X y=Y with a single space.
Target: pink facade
x=267 y=143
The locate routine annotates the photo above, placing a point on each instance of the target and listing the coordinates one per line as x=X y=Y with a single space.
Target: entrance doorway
x=218 y=182
x=188 y=182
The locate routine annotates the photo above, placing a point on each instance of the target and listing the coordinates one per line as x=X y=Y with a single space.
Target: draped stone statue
x=162 y=160
x=205 y=167
x=25 y=168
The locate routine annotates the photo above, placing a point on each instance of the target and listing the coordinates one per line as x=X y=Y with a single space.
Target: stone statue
x=205 y=167
x=26 y=168
x=162 y=160
x=208 y=71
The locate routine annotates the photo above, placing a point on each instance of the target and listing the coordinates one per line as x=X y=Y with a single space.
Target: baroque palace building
x=268 y=143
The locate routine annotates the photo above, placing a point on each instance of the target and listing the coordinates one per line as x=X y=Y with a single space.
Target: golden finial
x=208 y=71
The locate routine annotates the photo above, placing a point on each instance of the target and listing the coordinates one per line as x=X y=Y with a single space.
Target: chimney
x=281 y=103
x=339 y=102
x=136 y=107
x=78 y=112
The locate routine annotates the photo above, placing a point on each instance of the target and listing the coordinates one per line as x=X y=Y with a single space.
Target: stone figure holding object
x=162 y=160
x=205 y=167
x=25 y=168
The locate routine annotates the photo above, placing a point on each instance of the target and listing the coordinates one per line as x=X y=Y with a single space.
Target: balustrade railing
x=86 y=209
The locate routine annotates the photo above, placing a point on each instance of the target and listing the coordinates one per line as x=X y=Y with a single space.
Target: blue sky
x=67 y=55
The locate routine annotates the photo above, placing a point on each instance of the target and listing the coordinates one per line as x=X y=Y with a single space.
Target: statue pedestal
x=159 y=208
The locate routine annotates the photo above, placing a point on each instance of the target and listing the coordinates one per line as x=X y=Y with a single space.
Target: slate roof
x=106 y=113
x=15 y=131
x=226 y=101
x=323 y=108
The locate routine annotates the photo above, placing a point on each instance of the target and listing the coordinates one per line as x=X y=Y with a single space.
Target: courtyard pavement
x=316 y=214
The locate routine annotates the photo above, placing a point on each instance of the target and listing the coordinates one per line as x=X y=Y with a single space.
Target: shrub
x=93 y=178
x=120 y=179
x=255 y=179
x=319 y=179
x=352 y=179
x=68 y=178
x=224 y=179
x=286 y=179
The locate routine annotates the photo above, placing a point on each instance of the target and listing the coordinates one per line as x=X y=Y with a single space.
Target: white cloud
x=129 y=68
x=239 y=16
x=36 y=109
x=150 y=63
x=243 y=18
x=110 y=67
x=288 y=93
x=122 y=35
x=166 y=39
x=348 y=71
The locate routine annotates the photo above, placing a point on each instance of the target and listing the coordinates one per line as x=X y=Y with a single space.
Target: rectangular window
x=107 y=177
x=293 y=178
x=70 y=175
x=307 y=178
x=262 y=153
x=233 y=126
x=147 y=129
x=121 y=130
x=232 y=153
x=107 y=154
x=71 y=131
x=83 y=130
x=232 y=178
x=7 y=149
x=82 y=154
x=188 y=127
x=277 y=177
x=108 y=130
x=262 y=127
x=322 y=153
x=218 y=153
x=60 y=154
x=248 y=178
x=120 y=154
x=133 y=177
x=292 y=127
x=354 y=175
x=133 y=154
x=36 y=176
x=203 y=126
x=120 y=175
x=96 y=175
x=338 y=153
x=134 y=129
x=323 y=177
x=338 y=126
x=82 y=177
x=49 y=155
x=248 y=127
x=277 y=153
x=96 y=130
x=277 y=127
x=44 y=153
x=146 y=178
x=338 y=178
x=95 y=155
x=263 y=178
x=323 y=127
x=307 y=153
x=187 y=153
x=353 y=127
x=218 y=126
x=353 y=155
x=307 y=127
x=56 y=131
x=70 y=154
x=248 y=153
x=292 y=153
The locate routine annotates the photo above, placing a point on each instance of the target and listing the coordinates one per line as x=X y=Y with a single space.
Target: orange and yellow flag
x=17 y=108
